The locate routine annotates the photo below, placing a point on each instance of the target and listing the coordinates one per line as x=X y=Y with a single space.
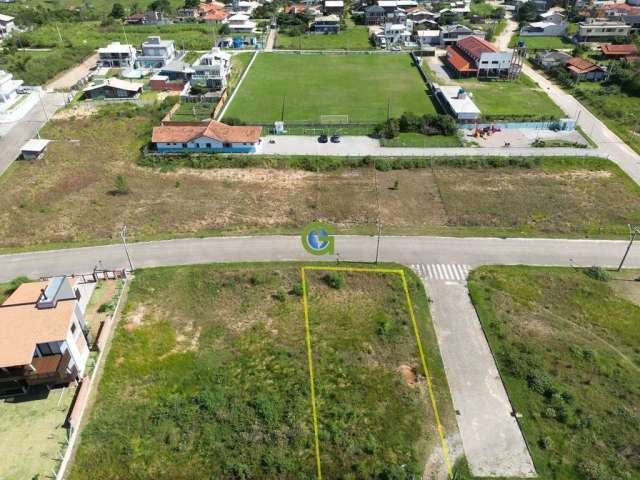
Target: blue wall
x=241 y=149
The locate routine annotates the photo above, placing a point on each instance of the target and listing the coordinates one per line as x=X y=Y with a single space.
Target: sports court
x=310 y=88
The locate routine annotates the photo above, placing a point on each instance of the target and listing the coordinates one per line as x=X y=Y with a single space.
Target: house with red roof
x=610 y=50
x=475 y=57
x=208 y=137
x=583 y=69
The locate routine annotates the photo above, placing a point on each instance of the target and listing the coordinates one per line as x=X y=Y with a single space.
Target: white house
x=601 y=30
x=549 y=29
x=211 y=137
x=457 y=102
x=428 y=38
x=396 y=33
x=42 y=340
x=117 y=55
x=552 y=16
x=213 y=68
x=7 y=25
x=156 y=53
x=8 y=88
x=240 y=23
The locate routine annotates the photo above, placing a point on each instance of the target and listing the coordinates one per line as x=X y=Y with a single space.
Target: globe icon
x=314 y=239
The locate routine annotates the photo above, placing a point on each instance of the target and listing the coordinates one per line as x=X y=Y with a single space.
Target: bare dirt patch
x=408 y=374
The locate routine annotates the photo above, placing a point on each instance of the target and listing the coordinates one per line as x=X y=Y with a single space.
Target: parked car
x=396 y=48
x=335 y=138
x=323 y=138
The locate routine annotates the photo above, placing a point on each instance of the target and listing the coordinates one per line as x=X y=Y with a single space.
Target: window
x=227 y=145
x=73 y=327
x=208 y=145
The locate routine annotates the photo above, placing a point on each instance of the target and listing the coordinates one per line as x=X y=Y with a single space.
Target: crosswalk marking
x=440 y=271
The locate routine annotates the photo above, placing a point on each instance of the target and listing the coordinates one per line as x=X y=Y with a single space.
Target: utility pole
x=126 y=40
x=123 y=235
x=378 y=243
x=59 y=34
x=633 y=231
x=284 y=99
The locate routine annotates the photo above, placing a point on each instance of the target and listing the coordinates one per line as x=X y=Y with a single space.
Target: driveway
x=17 y=134
x=362 y=146
x=67 y=79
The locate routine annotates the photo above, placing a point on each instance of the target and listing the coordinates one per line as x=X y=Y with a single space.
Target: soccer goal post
x=334 y=119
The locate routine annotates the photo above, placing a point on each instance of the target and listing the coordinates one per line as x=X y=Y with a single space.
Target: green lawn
x=361 y=86
x=354 y=38
x=208 y=377
x=32 y=433
x=97 y=6
x=188 y=112
x=567 y=348
x=419 y=140
x=518 y=99
x=542 y=43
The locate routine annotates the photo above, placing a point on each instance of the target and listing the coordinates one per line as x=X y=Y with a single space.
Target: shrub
x=540 y=382
x=280 y=296
x=385 y=325
x=297 y=289
x=334 y=280
x=545 y=443
x=598 y=273
x=120 y=185
x=258 y=279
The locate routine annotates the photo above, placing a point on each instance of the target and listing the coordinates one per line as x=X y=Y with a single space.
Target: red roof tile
x=217 y=15
x=620 y=50
x=581 y=65
x=214 y=129
x=475 y=46
x=458 y=61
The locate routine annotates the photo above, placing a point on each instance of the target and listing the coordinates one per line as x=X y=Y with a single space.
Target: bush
x=545 y=443
x=540 y=382
x=280 y=296
x=258 y=279
x=598 y=273
x=120 y=185
x=334 y=280
x=297 y=289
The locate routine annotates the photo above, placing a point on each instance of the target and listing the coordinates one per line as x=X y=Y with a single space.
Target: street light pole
x=633 y=231
x=378 y=243
x=123 y=235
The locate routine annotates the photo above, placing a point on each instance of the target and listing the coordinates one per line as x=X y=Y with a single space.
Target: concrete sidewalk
x=493 y=443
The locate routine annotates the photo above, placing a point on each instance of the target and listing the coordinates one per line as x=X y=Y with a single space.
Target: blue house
x=210 y=137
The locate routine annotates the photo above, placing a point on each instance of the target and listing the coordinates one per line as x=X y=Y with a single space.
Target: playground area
x=522 y=137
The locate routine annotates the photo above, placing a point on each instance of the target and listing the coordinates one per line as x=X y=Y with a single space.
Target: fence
x=548 y=125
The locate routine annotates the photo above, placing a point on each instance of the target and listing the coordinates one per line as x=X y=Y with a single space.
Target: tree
x=224 y=30
x=160 y=6
x=527 y=12
x=191 y=3
x=117 y=11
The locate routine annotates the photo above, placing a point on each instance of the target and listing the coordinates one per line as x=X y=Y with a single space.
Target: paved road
x=361 y=146
x=12 y=140
x=406 y=250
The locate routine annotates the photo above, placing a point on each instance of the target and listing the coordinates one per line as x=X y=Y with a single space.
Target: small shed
x=34 y=148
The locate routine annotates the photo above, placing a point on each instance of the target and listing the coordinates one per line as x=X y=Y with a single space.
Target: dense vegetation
x=566 y=343
x=208 y=378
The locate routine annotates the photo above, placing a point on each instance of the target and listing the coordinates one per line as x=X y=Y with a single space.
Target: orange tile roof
x=621 y=50
x=22 y=325
x=581 y=65
x=216 y=15
x=214 y=129
x=210 y=7
x=475 y=46
x=458 y=61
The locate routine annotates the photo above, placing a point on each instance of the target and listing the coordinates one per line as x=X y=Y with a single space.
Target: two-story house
x=117 y=55
x=42 y=340
x=212 y=69
x=156 y=53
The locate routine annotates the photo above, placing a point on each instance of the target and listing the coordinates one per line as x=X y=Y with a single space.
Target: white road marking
x=438 y=271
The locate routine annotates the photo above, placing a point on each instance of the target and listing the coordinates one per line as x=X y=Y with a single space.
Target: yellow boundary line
x=314 y=408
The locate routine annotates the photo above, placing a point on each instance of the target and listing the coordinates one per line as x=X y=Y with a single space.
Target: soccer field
x=361 y=86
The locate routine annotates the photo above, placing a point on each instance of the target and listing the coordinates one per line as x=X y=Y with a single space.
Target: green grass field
x=208 y=377
x=567 y=349
x=361 y=86
x=98 y=6
x=542 y=43
x=419 y=140
x=354 y=38
x=519 y=99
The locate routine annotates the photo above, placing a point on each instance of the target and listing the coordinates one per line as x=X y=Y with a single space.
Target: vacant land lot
x=542 y=43
x=620 y=112
x=99 y=6
x=354 y=38
x=567 y=348
x=420 y=140
x=190 y=36
x=32 y=433
x=37 y=68
x=68 y=196
x=511 y=99
x=208 y=377
x=364 y=87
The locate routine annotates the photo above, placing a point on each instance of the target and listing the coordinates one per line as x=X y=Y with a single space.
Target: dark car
x=335 y=138
x=323 y=138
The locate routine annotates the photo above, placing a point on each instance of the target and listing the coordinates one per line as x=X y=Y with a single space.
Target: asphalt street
x=19 y=132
